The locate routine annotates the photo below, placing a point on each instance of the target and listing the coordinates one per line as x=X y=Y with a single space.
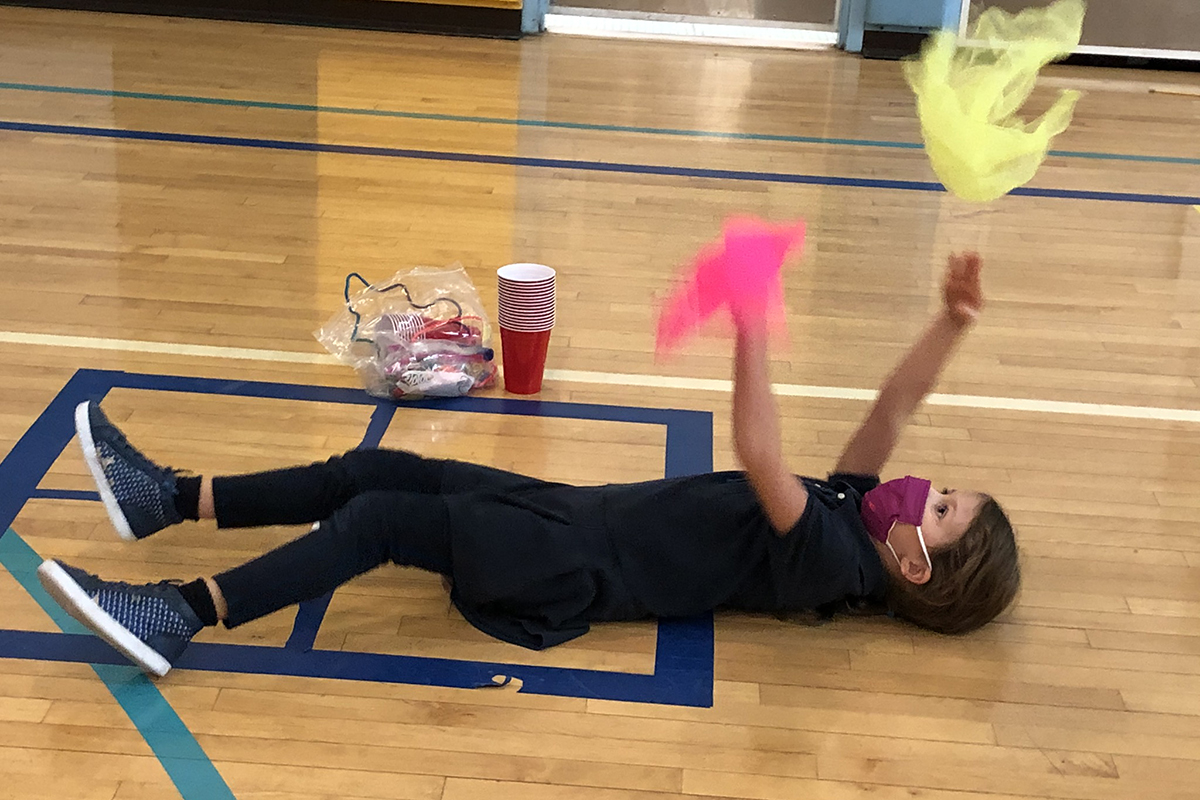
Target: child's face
x=948 y=514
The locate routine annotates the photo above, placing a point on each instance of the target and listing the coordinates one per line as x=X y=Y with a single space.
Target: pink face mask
x=900 y=500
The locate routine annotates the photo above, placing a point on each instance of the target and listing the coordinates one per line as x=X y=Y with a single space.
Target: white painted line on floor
x=1064 y=407
x=165 y=348
x=645 y=381
x=844 y=393
x=624 y=379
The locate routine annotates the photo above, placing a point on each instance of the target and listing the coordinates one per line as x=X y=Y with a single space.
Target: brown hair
x=972 y=581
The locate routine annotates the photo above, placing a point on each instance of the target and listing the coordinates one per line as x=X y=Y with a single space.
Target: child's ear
x=916 y=572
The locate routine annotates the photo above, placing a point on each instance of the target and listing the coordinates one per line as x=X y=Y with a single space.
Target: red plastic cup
x=542 y=323
x=524 y=359
x=525 y=287
x=530 y=310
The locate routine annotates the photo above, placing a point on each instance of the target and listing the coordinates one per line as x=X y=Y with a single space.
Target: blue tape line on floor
x=311 y=613
x=65 y=494
x=684 y=671
x=571 y=164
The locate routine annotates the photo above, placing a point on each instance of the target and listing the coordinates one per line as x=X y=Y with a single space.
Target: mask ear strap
x=921 y=539
x=889 y=545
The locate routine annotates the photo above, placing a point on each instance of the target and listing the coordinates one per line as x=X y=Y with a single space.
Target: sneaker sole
x=75 y=601
x=83 y=429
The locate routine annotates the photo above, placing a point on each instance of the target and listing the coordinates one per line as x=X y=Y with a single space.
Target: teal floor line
x=549 y=124
x=185 y=762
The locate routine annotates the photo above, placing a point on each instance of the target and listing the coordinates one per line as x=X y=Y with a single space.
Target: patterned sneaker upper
x=144 y=491
x=156 y=613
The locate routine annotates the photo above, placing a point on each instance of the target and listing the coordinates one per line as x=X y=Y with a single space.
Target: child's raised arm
x=756 y=436
x=917 y=373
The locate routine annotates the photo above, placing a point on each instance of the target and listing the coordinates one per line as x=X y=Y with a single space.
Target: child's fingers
x=963 y=269
x=974 y=267
x=967 y=266
x=961 y=289
x=954 y=275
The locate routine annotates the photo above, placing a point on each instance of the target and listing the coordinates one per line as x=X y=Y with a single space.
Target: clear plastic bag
x=422 y=333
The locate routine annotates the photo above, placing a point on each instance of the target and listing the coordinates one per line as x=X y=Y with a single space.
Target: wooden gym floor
x=180 y=202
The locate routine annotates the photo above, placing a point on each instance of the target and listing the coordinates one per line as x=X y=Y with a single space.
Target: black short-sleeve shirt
x=695 y=544
x=826 y=557
x=534 y=566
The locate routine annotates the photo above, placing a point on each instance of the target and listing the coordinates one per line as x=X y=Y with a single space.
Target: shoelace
x=138 y=587
x=127 y=451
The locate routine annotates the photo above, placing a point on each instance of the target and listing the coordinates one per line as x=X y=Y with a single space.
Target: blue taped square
x=683 y=673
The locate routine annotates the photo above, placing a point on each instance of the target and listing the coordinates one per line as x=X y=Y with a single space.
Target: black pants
x=373 y=506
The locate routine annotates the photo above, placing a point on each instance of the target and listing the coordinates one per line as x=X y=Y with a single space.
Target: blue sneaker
x=150 y=624
x=138 y=494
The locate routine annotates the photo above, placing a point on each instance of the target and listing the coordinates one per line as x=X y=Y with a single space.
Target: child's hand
x=961 y=290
